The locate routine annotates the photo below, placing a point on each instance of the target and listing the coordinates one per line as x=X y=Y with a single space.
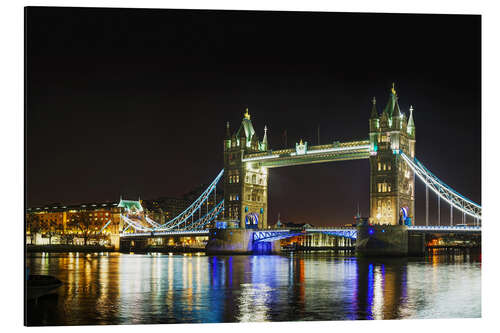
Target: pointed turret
x=264 y=140
x=246 y=130
x=389 y=109
x=374 y=117
x=227 y=140
x=374 y=113
x=410 y=129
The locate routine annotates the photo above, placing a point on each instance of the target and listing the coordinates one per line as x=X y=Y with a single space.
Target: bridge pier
x=416 y=244
x=382 y=240
x=136 y=245
x=238 y=241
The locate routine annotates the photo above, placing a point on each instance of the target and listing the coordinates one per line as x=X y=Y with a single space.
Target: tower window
x=379 y=166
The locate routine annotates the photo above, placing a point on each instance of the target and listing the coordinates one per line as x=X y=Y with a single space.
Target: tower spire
x=410 y=128
x=374 y=113
x=391 y=104
x=247 y=115
x=264 y=140
x=228 y=132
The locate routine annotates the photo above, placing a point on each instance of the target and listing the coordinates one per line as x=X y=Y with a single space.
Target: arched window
x=254 y=179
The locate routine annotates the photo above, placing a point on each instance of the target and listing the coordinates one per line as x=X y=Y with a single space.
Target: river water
x=113 y=288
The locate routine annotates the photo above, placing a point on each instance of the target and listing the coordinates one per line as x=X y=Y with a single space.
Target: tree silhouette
x=33 y=226
x=86 y=224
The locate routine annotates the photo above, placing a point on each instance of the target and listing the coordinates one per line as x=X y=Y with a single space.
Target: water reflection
x=128 y=289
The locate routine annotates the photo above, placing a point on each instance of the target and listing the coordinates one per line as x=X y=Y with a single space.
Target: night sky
x=135 y=102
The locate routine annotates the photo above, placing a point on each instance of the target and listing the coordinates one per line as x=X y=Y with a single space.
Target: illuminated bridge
x=390 y=150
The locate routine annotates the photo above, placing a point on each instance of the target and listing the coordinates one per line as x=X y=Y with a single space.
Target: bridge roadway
x=271 y=235
x=337 y=151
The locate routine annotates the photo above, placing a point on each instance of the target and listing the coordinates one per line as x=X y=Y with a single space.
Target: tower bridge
x=390 y=151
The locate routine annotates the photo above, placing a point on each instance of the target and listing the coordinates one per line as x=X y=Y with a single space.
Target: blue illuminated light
x=371 y=231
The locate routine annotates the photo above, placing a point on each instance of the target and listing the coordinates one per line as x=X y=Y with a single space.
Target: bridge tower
x=245 y=187
x=392 y=182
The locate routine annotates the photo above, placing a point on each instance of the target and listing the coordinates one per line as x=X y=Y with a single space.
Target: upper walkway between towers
x=304 y=154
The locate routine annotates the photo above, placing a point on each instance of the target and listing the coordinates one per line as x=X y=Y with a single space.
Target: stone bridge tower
x=392 y=182
x=245 y=188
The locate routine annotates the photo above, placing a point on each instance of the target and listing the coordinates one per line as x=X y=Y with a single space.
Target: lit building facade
x=56 y=224
x=392 y=182
x=245 y=188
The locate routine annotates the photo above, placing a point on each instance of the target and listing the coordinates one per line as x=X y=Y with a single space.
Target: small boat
x=40 y=285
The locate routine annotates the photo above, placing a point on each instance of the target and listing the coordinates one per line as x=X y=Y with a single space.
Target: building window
x=254 y=179
x=384 y=166
x=379 y=187
x=379 y=166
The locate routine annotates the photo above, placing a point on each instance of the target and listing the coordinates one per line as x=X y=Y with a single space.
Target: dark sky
x=135 y=102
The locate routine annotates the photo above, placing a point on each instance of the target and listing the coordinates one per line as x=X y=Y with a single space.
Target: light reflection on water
x=160 y=288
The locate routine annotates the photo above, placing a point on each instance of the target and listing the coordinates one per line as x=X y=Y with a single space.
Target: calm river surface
x=194 y=288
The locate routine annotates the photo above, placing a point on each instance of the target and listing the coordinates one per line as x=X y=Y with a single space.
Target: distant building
x=164 y=209
x=52 y=223
x=291 y=225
